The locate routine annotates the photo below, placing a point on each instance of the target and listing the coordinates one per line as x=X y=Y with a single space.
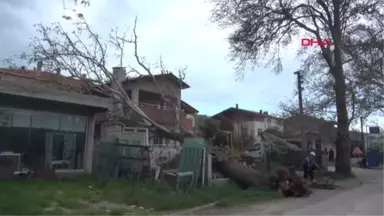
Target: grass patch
x=87 y=196
x=247 y=196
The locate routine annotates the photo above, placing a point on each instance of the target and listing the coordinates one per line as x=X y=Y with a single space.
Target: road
x=360 y=196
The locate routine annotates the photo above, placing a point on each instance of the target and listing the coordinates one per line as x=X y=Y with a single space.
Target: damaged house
x=47 y=118
x=146 y=95
x=51 y=120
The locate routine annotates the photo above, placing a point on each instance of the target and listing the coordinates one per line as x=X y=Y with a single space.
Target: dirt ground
x=349 y=199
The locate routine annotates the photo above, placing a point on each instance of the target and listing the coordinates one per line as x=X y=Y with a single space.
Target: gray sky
x=177 y=30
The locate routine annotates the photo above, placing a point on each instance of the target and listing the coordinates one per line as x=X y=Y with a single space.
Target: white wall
x=191 y=117
x=254 y=126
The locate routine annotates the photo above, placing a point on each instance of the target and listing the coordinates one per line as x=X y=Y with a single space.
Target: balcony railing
x=165 y=115
x=157 y=106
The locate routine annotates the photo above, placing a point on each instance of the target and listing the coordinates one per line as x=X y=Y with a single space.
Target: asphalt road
x=360 y=196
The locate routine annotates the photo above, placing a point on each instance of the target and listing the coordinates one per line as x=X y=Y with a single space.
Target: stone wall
x=165 y=155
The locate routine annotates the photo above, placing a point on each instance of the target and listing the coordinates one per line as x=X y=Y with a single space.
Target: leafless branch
x=83 y=54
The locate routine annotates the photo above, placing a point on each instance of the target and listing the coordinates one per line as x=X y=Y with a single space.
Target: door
x=69 y=149
x=60 y=150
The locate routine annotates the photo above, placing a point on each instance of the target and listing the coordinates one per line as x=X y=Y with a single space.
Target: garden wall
x=165 y=155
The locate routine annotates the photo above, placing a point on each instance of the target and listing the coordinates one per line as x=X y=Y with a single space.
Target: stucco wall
x=254 y=126
x=151 y=87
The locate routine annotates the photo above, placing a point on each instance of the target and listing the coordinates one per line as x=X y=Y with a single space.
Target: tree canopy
x=262 y=28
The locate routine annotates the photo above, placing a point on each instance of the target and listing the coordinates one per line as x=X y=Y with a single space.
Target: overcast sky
x=177 y=30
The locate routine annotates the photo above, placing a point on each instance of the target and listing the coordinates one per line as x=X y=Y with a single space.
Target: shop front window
x=46 y=139
x=45 y=120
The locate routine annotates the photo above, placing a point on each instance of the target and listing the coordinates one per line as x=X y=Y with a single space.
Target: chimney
x=237 y=106
x=58 y=71
x=261 y=111
x=39 y=65
x=22 y=67
x=84 y=76
x=119 y=73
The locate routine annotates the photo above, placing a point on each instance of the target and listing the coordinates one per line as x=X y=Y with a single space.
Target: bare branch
x=83 y=54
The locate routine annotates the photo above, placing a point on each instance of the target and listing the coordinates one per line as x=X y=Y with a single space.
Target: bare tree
x=262 y=27
x=365 y=71
x=83 y=54
x=320 y=99
x=364 y=81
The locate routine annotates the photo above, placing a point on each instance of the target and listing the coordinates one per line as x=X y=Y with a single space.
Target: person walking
x=308 y=166
x=331 y=155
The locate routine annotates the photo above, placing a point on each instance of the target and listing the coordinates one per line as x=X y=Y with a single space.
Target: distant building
x=246 y=122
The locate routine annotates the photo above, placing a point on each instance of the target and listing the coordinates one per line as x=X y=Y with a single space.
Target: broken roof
x=41 y=75
x=39 y=82
x=169 y=76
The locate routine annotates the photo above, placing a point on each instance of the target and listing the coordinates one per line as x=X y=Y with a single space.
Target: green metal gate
x=122 y=160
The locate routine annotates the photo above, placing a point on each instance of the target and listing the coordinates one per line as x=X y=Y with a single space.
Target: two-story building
x=48 y=118
x=247 y=123
x=146 y=94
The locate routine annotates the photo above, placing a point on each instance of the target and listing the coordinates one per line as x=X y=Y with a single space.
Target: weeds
x=87 y=196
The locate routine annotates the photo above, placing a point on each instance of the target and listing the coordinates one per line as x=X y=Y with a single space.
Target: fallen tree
x=286 y=181
x=82 y=54
x=242 y=175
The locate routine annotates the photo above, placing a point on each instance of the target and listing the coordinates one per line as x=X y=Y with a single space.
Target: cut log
x=242 y=175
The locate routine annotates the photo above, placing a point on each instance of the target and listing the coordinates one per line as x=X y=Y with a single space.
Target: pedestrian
x=309 y=165
x=331 y=155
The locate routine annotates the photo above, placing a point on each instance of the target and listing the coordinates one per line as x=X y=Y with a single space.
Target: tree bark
x=244 y=176
x=343 y=145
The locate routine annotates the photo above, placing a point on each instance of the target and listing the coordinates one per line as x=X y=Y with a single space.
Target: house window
x=129 y=93
x=5 y=118
x=309 y=144
x=45 y=120
x=21 y=118
x=243 y=131
x=73 y=123
x=259 y=131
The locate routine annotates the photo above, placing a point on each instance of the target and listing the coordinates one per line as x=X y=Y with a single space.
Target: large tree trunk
x=343 y=145
x=243 y=176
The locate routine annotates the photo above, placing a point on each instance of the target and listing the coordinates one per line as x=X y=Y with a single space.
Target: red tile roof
x=42 y=76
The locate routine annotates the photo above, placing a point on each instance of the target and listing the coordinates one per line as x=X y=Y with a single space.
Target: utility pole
x=362 y=134
x=300 y=90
